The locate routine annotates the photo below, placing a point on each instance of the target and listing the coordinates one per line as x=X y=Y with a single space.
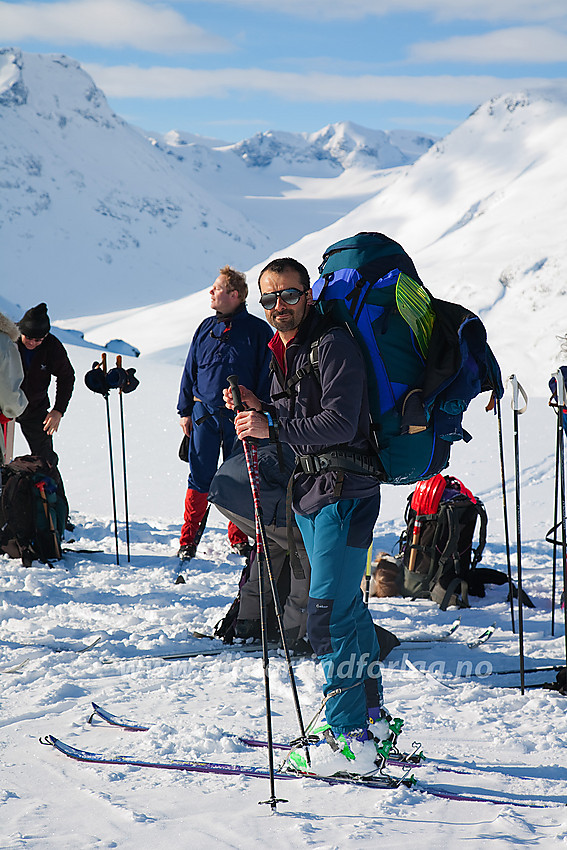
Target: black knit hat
x=35 y=323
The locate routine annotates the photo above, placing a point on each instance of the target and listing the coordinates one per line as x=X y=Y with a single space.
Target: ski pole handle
x=236 y=397
x=517 y=391
x=560 y=384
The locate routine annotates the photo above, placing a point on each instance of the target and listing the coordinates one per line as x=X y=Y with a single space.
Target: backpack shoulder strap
x=293 y=380
x=477 y=553
x=313 y=363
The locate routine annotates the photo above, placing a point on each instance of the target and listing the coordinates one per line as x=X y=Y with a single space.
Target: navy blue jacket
x=325 y=411
x=236 y=345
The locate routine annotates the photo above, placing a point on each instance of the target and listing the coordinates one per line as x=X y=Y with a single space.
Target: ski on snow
x=461 y=680
x=256 y=647
x=374 y=781
x=115 y=720
x=78 y=649
x=398 y=759
x=230 y=649
x=482 y=638
x=434 y=638
x=407 y=760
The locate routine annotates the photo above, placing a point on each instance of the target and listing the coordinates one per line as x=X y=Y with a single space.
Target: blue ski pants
x=339 y=624
x=215 y=430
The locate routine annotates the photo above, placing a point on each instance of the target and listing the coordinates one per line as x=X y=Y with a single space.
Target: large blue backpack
x=426 y=359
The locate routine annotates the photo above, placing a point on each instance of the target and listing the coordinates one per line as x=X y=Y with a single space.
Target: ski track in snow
x=197 y=708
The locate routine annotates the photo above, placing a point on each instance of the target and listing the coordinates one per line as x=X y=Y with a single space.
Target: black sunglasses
x=289 y=296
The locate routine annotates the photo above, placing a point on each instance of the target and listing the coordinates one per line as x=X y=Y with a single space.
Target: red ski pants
x=195 y=507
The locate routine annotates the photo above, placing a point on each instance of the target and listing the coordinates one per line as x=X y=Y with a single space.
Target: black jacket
x=324 y=411
x=48 y=360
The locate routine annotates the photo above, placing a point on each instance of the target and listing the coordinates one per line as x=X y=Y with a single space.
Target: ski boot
x=379 y=718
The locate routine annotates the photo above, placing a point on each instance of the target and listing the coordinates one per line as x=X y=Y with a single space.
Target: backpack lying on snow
x=225 y=629
x=33 y=510
x=426 y=359
x=438 y=558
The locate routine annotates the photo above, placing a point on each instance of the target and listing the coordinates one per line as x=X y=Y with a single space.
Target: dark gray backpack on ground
x=33 y=510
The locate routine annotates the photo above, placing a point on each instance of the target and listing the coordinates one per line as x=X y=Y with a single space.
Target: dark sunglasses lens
x=268 y=301
x=288 y=296
x=291 y=296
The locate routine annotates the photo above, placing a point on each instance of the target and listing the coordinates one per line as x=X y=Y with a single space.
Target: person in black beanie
x=43 y=357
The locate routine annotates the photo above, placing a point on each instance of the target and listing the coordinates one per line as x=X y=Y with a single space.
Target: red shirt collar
x=277 y=346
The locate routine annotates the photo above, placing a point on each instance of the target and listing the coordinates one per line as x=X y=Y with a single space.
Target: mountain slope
x=481 y=213
x=96 y=214
x=90 y=207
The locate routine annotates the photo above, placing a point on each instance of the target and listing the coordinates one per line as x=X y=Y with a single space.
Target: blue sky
x=231 y=68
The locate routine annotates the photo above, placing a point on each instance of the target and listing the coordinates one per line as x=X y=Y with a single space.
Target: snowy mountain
x=481 y=213
x=89 y=203
x=124 y=219
x=341 y=146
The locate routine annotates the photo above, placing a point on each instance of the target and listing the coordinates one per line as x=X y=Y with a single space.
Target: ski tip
x=48 y=740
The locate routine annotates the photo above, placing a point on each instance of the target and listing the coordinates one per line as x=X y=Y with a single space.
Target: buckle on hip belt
x=311 y=464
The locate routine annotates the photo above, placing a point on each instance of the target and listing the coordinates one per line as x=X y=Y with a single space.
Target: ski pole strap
x=339 y=460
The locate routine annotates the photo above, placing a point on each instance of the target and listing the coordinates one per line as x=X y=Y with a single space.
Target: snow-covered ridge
x=341 y=145
x=107 y=216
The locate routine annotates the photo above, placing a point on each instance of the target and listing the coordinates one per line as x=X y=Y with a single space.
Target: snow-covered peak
x=54 y=86
x=92 y=213
x=339 y=146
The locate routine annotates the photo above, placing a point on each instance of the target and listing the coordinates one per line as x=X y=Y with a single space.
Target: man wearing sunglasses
x=230 y=341
x=321 y=410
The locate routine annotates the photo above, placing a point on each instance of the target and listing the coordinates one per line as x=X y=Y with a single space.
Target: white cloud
x=517 y=44
x=108 y=23
x=164 y=83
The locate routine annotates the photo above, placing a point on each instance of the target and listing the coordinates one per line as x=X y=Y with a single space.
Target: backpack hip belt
x=343 y=461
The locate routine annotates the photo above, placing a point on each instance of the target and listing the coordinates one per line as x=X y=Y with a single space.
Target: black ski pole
x=561 y=401
x=124 y=473
x=254 y=475
x=558 y=439
x=517 y=389
x=96 y=380
x=251 y=455
x=505 y=509
x=111 y=456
